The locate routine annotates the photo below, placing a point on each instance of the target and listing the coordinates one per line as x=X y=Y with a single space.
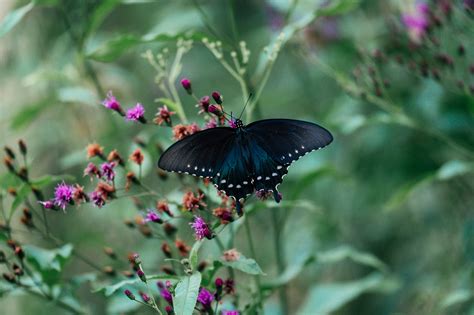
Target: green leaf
x=77 y=95
x=186 y=293
x=326 y=298
x=172 y=105
x=111 y=289
x=193 y=255
x=244 y=264
x=346 y=252
x=116 y=47
x=48 y=262
x=13 y=18
x=291 y=272
x=457 y=297
x=100 y=13
x=8 y=180
x=21 y=195
x=28 y=114
x=49 y=179
x=337 y=7
x=454 y=168
x=403 y=193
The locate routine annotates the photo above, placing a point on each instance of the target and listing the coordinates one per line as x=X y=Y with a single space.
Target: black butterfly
x=247 y=158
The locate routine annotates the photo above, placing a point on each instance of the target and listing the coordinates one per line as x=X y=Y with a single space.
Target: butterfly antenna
x=246 y=103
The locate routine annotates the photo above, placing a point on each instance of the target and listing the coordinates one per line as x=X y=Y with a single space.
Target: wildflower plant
x=206 y=256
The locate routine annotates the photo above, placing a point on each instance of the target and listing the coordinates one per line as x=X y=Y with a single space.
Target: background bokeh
x=380 y=222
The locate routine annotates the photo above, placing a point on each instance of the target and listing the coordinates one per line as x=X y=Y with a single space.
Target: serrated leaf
x=244 y=264
x=12 y=18
x=326 y=298
x=186 y=293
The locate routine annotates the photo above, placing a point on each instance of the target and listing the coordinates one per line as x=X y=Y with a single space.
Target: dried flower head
x=231 y=255
x=182 y=247
x=137 y=156
x=163 y=116
x=107 y=170
x=94 y=149
x=92 y=170
x=180 y=131
x=114 y=156
x=193 y=201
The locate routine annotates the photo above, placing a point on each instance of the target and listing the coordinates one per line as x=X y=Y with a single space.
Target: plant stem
x=252 y=252
x=279 y=258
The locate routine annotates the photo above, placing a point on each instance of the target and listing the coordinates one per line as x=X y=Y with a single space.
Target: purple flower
x=111 y=103
x=107 y=169
x=136 y=113
x=129 y=294
x=200 y=228
x=165 y=293
x=233 y=312
x=233 y=123
x=205 y=298
x=417 y=21
x=63 y=195
x=48 y=204
x=97 y=198
x=152 y=216
x=186 y=83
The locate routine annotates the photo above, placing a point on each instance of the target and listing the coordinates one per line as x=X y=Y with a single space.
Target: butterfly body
x=247 y=158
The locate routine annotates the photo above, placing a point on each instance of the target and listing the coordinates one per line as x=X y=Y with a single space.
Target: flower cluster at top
x=420 y=45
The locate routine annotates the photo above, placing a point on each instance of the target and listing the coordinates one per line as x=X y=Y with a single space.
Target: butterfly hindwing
x=200 y=154
x=235 y=174
x=286 y=140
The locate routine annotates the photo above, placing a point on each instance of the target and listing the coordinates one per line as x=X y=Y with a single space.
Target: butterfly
x=247 y=158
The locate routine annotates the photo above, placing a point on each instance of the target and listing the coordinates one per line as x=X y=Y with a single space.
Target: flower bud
x=217 y=97
x=9 y=152
x=166 y=249
x=8 y=161
x=186 y=83
x=110 y=252
x=109 y=270
x=17 y=270
x=169 y=310
x=129 y=294
x=141 y=275
x=9 y=277
x=22 y=147
x=145 y=297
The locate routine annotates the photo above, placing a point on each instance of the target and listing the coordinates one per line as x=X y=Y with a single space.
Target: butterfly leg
x=276 y=195
x=238 y=207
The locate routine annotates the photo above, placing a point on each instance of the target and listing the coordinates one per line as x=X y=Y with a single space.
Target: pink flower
x=217 y=97
x=224 y=312
x=201 y=229
x=136 y=113
x=417 y=21
x=212 y=123
x=98 y=199
x=63 y=195
x=111 y=103
x=232 y=123
x=204 y=104
x=164 y=292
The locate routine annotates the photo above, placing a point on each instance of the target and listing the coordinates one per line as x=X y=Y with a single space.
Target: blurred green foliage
x=380 y=222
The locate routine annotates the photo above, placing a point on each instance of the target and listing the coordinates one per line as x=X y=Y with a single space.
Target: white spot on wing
x=274 y=174
x=259 y=178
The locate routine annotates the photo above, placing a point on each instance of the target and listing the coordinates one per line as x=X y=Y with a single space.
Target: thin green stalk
x=254 y=256
x=279 y=258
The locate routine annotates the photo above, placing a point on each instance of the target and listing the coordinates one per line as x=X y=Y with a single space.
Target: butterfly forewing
x=286 y=140
x=200 y=154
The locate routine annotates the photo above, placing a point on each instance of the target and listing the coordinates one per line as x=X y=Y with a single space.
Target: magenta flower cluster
x=135 y=113
x=201 y=229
